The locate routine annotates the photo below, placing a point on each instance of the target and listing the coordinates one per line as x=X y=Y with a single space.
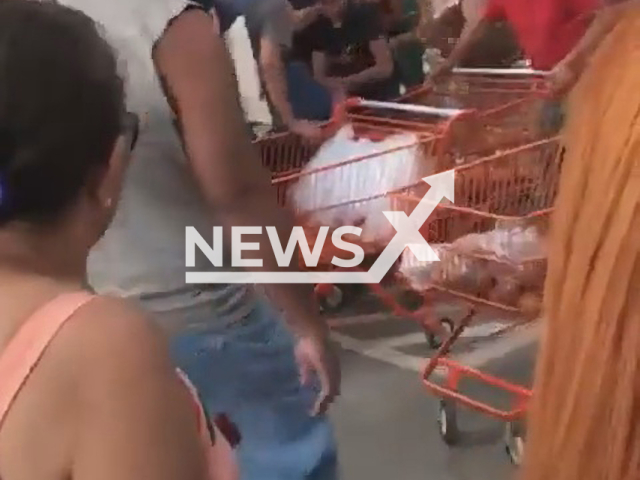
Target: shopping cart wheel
x=330 y=297
x=433 y=340
x=448 y=422
x=514 y=441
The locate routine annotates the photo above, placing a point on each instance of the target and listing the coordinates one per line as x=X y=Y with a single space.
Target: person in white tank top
x=87 y=386
x=220 y=334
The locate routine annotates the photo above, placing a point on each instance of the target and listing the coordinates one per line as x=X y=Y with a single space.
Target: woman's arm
x=135 y=418
x=601 y=26
x=569 y=70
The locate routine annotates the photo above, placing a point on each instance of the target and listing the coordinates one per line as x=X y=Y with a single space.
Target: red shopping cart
x=502 y=176
x=506 y=104
x=512 y=187
x=515 y=187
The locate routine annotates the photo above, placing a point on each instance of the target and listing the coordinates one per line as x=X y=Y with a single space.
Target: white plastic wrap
x=360 y=180
x=458 y=270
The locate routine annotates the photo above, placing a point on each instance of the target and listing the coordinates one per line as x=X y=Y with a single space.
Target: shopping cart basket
x=511 y=103
x=286 y=153
x=480 y=88
x=516 y=186
x=445 y=135
x=507 y=98
x=424 y=142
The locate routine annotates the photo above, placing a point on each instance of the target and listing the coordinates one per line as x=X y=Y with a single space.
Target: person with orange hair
x=583 y=420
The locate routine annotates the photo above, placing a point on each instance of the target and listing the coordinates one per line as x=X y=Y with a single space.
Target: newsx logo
x=407 y=236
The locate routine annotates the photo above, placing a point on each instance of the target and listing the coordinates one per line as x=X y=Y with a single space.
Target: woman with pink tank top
x=87 y=389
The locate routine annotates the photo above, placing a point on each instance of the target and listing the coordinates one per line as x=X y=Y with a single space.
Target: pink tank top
x=23 y=352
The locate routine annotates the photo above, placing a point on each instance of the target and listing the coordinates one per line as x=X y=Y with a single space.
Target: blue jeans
x=247 y=370
x=309 y=100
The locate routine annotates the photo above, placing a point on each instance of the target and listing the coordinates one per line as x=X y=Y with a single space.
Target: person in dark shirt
x=302 y=47
x=271 y=26
x=351 y=54
x=400 y=21
x=308 y=98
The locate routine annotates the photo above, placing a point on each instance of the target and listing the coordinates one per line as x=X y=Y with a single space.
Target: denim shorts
x=247 y=370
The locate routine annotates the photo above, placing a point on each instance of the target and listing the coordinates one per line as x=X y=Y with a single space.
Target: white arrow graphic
x=407 y=236
x=408 y=227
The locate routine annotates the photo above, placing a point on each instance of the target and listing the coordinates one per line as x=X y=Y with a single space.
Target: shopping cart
x=448 y=136
x=511 y=102
x=502 y=110
x=481 y=88
x=286 y=153
x=517 y=186
x=428 y=132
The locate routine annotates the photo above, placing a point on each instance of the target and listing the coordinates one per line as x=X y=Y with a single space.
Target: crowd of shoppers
x=96 y=313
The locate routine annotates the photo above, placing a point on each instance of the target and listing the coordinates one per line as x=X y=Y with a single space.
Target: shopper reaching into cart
x=351 y=52
x=495 y=47
x=272 y=25
x=274 y=374
x=547 y=30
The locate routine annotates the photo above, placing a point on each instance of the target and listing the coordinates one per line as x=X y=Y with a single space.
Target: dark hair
x=61 y=106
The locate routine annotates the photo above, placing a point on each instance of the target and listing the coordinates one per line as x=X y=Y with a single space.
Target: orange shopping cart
x=510 y=189
x=447 y=136
x=514 y=189
x=509 y=179
x=505 y=103
x=481 y=88
x=423 y=141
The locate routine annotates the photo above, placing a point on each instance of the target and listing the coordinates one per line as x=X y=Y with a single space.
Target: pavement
x=386 y=421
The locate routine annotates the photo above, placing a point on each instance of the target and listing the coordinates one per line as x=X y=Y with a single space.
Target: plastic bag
x=361 y=180
x=492 y=265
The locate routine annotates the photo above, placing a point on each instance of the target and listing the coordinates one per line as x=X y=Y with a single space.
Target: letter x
x=408 y=229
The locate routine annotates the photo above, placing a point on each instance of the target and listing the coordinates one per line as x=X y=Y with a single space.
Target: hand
x=316 y=356
x=562 y=78
x=308 y=130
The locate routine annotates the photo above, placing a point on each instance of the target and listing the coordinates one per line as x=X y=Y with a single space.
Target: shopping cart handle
x=501 y=71
x=408 y=107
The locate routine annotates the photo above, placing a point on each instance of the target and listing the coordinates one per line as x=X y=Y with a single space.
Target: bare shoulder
x=136 y=418
x=109 y=334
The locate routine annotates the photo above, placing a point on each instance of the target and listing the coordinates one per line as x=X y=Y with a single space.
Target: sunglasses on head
x=131 y=128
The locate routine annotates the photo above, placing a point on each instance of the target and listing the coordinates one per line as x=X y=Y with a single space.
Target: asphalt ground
x=386 y=420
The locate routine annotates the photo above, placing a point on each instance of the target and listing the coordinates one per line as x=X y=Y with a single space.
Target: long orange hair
x=584 y=421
